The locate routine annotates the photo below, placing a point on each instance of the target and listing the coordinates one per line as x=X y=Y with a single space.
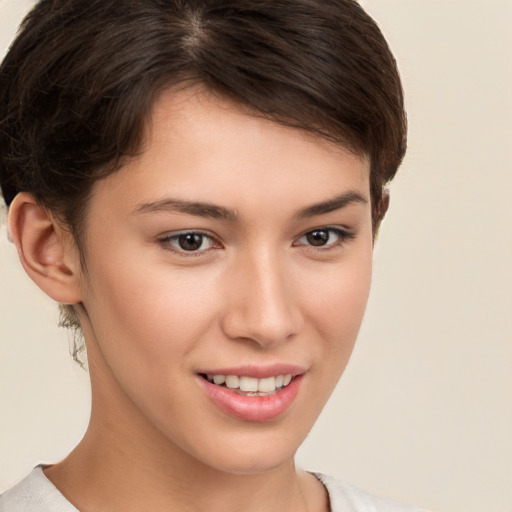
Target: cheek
x=151 y=306
x=336 y=308
x=338 y=300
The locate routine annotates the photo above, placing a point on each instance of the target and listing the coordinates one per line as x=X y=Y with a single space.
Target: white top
x=35 y=493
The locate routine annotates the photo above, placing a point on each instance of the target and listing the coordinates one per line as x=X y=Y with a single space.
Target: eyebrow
x=196 y=208
x=201 y=209
x=331 y=205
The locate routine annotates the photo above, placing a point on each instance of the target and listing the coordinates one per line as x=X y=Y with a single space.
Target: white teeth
x=267 y=385
x=251 y=384
x=232 y=381
x=248 y=384
x=219 y=379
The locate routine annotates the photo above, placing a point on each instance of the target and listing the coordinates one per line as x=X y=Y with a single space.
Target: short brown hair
x=77 y=84
x=79 y=80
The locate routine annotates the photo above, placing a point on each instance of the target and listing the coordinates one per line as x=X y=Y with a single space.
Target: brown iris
x=190 y=241
x=318 y=237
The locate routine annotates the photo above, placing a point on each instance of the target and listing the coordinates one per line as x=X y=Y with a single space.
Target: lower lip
x=252 y=408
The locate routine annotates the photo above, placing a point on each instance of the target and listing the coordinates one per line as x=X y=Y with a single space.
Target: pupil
x=190 y=241
x=318 y=237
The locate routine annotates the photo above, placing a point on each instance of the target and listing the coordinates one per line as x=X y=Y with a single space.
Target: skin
x=257 y=293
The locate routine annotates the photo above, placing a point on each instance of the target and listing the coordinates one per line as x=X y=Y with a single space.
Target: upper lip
x=257 y=372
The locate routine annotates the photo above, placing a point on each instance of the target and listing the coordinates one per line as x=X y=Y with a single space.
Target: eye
x=325 y=237
x=189 y=242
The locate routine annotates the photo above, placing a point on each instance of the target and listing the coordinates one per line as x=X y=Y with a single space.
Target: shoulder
x=33 y=494
x=347 y=498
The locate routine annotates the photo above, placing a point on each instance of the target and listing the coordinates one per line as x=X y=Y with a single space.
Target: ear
x=46 y=251
x=379 y=211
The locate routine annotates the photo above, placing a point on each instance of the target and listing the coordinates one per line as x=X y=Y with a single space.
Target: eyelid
x=165 y=240
x=344 y=235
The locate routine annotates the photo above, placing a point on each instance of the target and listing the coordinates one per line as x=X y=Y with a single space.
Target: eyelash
x=343 y=236
x=175 y=237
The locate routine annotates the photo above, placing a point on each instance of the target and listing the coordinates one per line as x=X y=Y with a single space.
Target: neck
x=130 y=465
x=100 y=475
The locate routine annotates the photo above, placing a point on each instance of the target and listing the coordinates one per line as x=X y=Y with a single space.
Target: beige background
x=424 y=412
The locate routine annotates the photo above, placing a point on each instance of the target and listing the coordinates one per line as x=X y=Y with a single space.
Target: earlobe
x=46 y=251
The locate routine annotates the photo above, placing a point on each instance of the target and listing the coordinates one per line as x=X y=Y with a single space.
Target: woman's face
x=228 y=269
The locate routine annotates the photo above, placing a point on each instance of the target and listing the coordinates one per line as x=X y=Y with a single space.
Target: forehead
x=201 y=146
x=195 y=107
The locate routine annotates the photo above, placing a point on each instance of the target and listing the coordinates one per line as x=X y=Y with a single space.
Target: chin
x=254 y=461
x=249 y=453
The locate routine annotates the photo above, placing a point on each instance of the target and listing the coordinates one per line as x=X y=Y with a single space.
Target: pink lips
x=254 y=408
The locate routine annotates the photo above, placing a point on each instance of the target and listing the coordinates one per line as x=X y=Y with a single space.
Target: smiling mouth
x=250 y=386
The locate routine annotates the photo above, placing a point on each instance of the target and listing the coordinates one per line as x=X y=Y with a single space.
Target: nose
x=262 y=305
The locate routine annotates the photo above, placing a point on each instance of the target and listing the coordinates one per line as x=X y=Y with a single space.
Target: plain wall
x=424 y=411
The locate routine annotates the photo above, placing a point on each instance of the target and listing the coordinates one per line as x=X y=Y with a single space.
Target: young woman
x=199 y=183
